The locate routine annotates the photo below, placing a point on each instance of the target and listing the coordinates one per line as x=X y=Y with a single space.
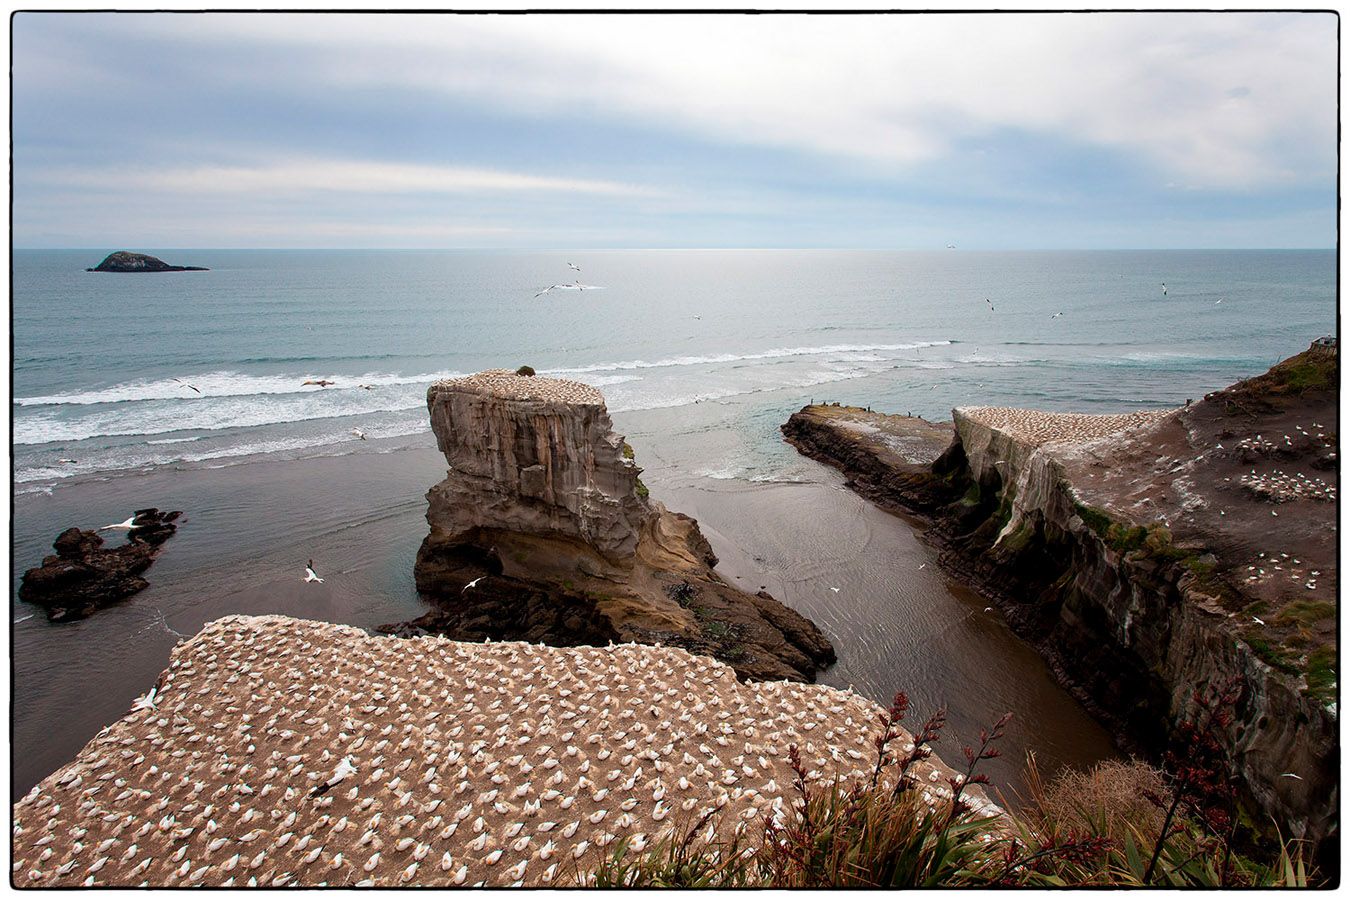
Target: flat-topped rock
x=502 y=764
x=507 y=385
x=543 y=530
x=1036 y=427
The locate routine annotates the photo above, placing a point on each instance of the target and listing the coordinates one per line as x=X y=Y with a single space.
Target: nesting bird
x=284 y=752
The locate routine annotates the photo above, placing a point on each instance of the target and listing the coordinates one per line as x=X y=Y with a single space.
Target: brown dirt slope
x=1241 y=487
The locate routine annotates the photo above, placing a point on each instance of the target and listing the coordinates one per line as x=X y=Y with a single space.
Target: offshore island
x=618 y=695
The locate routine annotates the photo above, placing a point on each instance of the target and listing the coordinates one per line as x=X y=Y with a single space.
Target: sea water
x=701 y=356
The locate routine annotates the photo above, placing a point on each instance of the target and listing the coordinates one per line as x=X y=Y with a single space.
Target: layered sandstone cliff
x=543 y=531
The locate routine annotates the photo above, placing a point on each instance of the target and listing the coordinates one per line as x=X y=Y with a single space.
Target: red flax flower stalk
x=1195 y=768
x=931 y=731
x=973 y=757
x=890 y=730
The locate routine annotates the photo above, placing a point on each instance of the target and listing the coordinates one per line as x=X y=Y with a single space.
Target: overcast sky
x=986 y=131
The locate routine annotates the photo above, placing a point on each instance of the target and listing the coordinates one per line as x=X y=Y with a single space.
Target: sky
x=1021 y=131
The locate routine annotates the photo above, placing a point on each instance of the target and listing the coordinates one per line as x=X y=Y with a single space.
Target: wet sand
x=896 y=621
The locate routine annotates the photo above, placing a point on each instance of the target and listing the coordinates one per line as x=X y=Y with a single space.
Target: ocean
x=701 y=355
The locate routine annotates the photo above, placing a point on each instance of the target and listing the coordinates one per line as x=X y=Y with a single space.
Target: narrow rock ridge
x=1146 y=556
x=493 y=764
x=543 y=531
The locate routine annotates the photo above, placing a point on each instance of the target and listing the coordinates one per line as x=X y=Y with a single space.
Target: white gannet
x=311 y=575
x=366 y=387
x=1164 y=287
x=472 y=583
x=145 y=701
x=321 y=382
x=574 y=266
x=185 y=384
x=69 y=462
x=121 y=526
x=359 y=433
x=344 y=768
x=553 y=287
x=1057 y=315
x=989 y=304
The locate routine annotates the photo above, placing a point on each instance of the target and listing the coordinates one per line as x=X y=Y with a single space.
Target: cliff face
x=1149 y=555
x=542 y=530
x=537 y=457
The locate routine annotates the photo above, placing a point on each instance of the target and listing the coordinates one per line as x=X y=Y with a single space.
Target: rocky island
x=543 y=531
x=126 y=261
x=1147 y=556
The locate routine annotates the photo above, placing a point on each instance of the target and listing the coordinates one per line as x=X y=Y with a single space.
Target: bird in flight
x=186 y=385
x=472 y=583
x=365 y=387
x=574 y=266
x=311 y=575
x=1164 y=287
x=1257 y=621
x=145 y=701
x=951 y=246
x=553 y=287
x=121 y=526
x=359 y=433
x=319 y=381
x=1057 y=315
x=990 y=305
x=67 y=461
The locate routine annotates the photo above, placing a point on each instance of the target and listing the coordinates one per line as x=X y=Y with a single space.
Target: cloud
x=327 y=176
x=1227 y=100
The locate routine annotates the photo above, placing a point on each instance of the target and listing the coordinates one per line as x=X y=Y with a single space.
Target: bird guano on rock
x=421 y=761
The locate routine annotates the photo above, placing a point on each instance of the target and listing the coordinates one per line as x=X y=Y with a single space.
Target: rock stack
x=543 y=531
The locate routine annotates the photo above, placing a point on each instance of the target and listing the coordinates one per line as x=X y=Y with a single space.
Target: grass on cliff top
x=1311 y=370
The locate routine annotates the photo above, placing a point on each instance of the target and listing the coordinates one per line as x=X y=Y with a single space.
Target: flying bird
x=553 y=287
x=472 y=583
x=311 y=575
x=68 y=461
x=121 y=526
x=365 y=387
x=1290 y=775
x=990 y=305
x=1164 y=287
x=574 y=266
x=1057 y=315
x=185 y=384
x=1257 y=621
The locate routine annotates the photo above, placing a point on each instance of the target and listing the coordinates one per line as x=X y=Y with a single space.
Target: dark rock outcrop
x=542 y=530
x=126 y=261
x=84 y=576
